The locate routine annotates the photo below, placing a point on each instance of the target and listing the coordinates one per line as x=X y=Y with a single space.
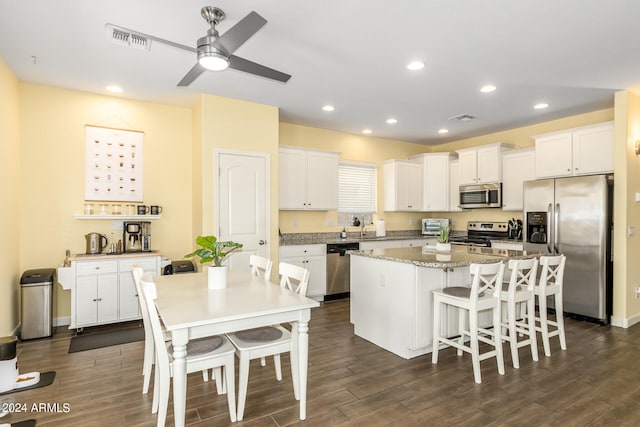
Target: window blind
x=357 y=187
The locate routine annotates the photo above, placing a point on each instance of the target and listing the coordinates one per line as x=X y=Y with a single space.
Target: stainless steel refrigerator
x=573 y=216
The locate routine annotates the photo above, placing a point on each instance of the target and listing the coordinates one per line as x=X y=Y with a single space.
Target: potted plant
x=443 y=240
x=211 y=250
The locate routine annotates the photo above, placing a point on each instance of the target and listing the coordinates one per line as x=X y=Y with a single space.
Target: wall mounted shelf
x=118 y=217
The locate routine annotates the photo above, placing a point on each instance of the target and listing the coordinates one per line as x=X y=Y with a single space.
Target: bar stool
x=550 y=284
x=484 y=294
x=519 y=292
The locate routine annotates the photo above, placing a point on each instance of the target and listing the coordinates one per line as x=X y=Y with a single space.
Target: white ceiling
x=571 y=54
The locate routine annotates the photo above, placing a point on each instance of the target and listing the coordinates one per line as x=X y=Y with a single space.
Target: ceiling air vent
x=463 y=118
x=125 y=37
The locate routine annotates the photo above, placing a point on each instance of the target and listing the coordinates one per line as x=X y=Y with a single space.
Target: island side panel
x=383 y=303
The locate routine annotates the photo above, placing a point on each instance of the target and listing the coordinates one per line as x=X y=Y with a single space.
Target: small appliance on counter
x=136 y=236
x=96 y=243
x=431 y=226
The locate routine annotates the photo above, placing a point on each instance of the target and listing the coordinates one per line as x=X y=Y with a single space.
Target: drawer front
x=147 y=263
x=302 y=250
x=85 y=268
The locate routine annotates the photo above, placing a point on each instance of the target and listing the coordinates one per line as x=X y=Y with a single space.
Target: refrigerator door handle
x=555 y=231
x=549 y=237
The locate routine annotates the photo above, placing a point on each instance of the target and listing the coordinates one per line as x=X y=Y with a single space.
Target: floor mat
x=105 y=339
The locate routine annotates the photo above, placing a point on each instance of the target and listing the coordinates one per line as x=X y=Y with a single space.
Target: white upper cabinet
x=585 y=150
x=308 y=179
x=402 y=185
x=454 y=187
x=517 y=166
x=481 y=165
x=435 y=180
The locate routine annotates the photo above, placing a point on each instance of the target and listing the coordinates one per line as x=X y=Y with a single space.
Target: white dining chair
x=484 y=294
x=550 y=285
x=149 y=347
x=202 y=354
x=260 y=266
x=518 y=293
x=271 y=340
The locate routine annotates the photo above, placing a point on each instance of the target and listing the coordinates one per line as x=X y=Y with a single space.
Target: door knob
x=262 y=242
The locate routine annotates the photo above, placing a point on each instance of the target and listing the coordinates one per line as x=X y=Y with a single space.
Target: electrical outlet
x=638 y=292
x=295 y=222
x=631 y=231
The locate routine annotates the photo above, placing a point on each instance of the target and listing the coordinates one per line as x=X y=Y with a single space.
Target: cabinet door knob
x=262 y=242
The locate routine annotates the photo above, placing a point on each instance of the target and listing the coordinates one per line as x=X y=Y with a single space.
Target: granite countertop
x=460 y=256
x=104 y=256
x=290 y=239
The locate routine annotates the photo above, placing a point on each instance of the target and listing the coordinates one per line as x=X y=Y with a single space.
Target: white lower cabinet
x=127 y=294
x=96 y=293
x=102 y=291
x=314 y=259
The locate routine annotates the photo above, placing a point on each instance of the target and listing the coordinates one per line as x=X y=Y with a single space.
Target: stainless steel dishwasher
x=338 y=270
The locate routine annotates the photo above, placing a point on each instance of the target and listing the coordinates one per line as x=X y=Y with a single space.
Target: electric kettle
x=96 y=242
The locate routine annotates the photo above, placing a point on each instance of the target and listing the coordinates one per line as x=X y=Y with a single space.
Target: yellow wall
x=52 y=173
x=232 y=124
x=627 y=210
x=350 y=147
x=10 y=196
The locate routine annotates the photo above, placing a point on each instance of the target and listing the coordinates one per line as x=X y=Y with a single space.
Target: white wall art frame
x=113 y=164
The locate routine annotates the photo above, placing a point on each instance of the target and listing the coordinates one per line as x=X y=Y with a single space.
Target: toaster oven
x=431 y=226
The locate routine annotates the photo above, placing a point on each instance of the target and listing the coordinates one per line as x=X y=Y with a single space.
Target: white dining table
x=190 y=310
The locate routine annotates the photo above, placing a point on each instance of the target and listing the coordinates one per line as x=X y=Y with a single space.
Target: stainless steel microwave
x=481 y=196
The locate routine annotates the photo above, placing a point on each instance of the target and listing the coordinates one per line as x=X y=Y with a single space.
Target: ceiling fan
x=214 y=52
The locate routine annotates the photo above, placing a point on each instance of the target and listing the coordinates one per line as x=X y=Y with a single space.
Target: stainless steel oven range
x=480 y=233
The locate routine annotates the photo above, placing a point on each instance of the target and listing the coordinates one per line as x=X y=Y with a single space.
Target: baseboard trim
x=624 y=322
x=62 y=321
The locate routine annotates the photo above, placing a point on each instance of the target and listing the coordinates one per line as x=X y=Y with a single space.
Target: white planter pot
x=443 y=247
x=217 y=277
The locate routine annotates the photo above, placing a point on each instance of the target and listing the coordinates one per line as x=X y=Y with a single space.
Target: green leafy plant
x=444 y=234
x=212 y=250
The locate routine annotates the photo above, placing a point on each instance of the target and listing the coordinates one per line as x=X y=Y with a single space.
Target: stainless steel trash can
x=37 y=303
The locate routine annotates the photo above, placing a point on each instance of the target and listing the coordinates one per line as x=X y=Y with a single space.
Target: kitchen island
x=391 y=292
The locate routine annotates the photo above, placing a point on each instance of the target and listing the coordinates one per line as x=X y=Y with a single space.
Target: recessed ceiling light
x=392 y=121
x=442 y=131
x=487 y=88
x=541 y=106
x=114 y=89
x=367 y=131
x=415 y=65
x=328 y=108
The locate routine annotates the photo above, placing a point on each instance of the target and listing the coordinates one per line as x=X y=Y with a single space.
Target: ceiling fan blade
x=234 y=37
x=193 y=74
x=154 y=38
x=247 y=66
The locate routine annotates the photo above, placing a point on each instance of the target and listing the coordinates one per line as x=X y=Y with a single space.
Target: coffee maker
x=136 y=236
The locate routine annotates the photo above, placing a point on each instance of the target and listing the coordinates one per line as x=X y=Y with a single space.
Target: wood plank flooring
x=595 y=382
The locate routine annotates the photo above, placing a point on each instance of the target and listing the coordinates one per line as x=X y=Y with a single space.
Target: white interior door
x=242 y=201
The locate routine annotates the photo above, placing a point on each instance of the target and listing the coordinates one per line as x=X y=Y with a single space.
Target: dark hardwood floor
x=595 y=382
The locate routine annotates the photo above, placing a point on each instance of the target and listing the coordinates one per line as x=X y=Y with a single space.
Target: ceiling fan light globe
x=213 y=61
